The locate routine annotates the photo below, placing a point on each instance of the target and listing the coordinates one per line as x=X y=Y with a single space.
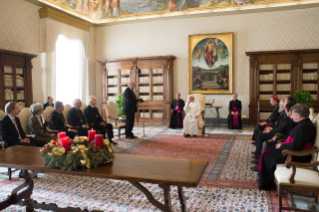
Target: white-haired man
x=92 y=116
x=193 y=118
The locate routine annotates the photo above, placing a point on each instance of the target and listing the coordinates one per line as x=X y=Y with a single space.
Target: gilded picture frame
x=211 y=63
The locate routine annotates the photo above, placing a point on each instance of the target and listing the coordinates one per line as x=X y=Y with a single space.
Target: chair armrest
x=271 y=123
x=91 y=125
x=280 y=140
x=4 y=144
x=115 y=120
x=279 y=134
x=289 y=163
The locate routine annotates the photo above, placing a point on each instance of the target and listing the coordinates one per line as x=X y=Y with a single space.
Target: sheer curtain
x=57 y=79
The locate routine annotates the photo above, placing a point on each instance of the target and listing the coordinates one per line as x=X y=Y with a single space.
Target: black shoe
x=254 y=168
x=255 y=161
x=194 y=135
x=253 y=143
x=135 y=136
x=186 y=135
x=254 y=157
x=129 y=137
x=253 y=153
x=112 y=142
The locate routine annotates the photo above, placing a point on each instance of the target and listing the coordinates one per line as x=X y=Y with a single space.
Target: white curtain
x=49 y=33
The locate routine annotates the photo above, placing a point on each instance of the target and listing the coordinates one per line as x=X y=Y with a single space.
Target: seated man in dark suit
x=49 y=103
x=11 y=130
x=57 y=121
x=92 y=116
x=76 y=118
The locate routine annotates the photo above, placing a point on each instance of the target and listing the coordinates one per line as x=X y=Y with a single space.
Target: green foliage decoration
x=75 y=158
x=120 y=104
x=304 y=97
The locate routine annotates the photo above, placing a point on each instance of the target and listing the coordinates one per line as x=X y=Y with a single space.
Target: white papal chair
x=201 y=99
x=113 y=117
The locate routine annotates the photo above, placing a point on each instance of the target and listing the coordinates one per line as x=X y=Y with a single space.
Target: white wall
x=282 y=30
x=20 y=31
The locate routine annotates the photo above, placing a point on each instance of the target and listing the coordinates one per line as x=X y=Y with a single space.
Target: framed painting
x=211 y=63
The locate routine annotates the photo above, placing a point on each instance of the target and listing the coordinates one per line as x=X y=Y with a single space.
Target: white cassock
x=191 y=124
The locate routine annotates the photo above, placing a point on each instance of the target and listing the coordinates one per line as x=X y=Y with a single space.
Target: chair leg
x=9 y=173
x=280 y=198
x=119 y=132
x=316 y=198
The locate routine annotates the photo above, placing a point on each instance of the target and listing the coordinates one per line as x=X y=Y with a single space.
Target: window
x=69 y=69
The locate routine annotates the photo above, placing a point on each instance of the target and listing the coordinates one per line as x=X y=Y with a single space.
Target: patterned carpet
x=227 y=184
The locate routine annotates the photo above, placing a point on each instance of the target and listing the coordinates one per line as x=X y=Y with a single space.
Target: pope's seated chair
x=113 y=117
x=201 y=99
x=296 y=177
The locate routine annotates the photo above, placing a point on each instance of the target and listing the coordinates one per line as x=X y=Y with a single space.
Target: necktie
x=16 y=126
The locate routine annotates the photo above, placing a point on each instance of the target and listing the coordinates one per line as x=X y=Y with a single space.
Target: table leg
x=167 y=198
x=182 y=198
x=217 y=114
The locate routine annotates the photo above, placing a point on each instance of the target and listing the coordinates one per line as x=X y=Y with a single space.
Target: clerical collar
x=92 y=106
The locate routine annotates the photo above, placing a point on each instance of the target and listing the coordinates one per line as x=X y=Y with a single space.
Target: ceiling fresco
x=106 y=11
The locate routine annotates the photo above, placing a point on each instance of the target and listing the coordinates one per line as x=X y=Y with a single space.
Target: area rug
x=227 y=184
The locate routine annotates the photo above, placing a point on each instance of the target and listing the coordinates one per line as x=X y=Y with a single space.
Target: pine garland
x=81 y=155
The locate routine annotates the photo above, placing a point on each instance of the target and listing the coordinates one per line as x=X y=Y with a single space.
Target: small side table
x=210 y=107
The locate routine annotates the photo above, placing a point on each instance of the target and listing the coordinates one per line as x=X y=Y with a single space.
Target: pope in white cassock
x=193 y=119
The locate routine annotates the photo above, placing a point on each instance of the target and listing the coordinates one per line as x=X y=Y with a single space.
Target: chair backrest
x=2 y=114
x=199 y=98
x=112 y=110
x=48 y=110
x=312 y=114
x=66 y=110
x=24 y=116
x=316 y=123
x=83 y=107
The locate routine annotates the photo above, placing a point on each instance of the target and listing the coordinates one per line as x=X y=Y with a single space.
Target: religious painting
x=200 y=4
x=211 y=63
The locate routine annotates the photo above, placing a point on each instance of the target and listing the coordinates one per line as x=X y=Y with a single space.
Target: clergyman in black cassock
x=301 y=137
x=57 y=122
x=130 y=108
x=272 y=118
x=177 y=115
x=234 y=116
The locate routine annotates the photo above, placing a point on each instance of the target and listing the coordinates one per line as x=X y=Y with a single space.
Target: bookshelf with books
x=280 y=73
x=16 y=78
x=152 y=76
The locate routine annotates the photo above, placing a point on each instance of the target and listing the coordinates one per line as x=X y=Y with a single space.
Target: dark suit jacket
x=47 y=104
x=8 y=131
x=130 y=101
x=232 y=104
x=57 y=121
x=92 y=115
x=76 y=117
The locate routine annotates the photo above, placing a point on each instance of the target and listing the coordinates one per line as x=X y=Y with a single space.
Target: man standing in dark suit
x=130 y=107
x=76 y=118
x=92 y=116
x=49 y=103
x=57 y=121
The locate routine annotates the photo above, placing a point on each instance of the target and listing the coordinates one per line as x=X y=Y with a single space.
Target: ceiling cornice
x=46 y=12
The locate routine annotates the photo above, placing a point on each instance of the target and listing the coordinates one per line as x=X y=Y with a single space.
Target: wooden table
x=165 y=172
x=210 y=107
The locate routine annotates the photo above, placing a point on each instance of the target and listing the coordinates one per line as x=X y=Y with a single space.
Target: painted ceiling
x=115 y=11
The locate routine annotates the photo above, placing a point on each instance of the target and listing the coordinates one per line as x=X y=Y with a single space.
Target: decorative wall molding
x=64 y=18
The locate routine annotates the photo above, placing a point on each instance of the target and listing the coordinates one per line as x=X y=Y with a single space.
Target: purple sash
x=235 y=117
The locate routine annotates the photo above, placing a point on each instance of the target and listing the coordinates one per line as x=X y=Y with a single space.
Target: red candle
x=65 y=142
x=61 y=135
x=91 y=135
x=99 y=141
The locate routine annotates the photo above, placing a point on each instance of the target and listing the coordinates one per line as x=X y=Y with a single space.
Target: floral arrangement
x=81 y=154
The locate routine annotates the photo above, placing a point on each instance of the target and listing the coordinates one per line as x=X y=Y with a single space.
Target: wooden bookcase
x=16 y=78
x=280 y=73
x=153 y=78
